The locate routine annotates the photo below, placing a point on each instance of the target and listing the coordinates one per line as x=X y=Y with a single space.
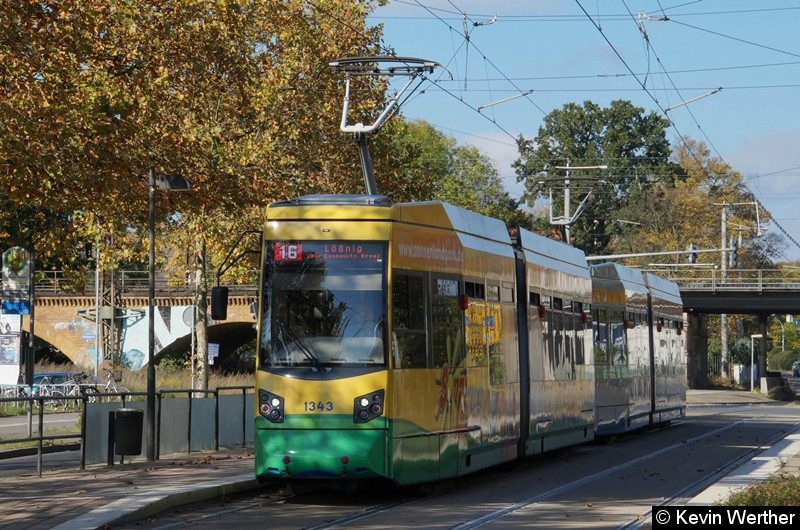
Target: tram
x=415 y=342
x=640 y=373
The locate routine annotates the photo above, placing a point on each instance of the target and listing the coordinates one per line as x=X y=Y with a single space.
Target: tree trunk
x=200 y=360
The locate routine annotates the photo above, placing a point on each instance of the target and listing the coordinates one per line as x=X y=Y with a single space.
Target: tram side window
x=408 y=315
x=547 y=331
x=494 y=336
x=447 y=323
x=556 y=355
x=569 y=334
x=580 y=330
x=641 y=347
x=475 y=321
x=508 y=332
x=600 y=337
x=618 y=339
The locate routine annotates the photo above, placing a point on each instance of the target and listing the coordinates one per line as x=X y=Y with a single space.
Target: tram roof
x=341 y=199
x=552 y=253
x=444 y=215
x=474 y=230
x=663 y=288
x=627 y=277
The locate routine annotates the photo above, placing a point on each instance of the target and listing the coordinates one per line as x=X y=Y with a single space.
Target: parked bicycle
x=111 y=386
x=80 y=385
x=53 y=393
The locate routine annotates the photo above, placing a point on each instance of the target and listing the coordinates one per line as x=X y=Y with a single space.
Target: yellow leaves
x=224 y=93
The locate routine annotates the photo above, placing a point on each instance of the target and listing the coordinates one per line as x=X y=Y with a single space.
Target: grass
x=180 y=378
x=168 y=377
x=781 y=489
x=718 y=382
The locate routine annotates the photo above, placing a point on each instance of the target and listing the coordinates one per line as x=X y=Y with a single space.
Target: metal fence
x=187 y=420
x=131 y=282
x=715 y=365
x=704 y=279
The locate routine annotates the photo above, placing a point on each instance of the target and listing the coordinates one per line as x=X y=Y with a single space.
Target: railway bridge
x=67 y=320
x=757 y=292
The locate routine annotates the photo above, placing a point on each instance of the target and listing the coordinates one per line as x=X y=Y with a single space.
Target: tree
x=631 y=143
x=670 y=217
x=436 y=167
x=231 y=95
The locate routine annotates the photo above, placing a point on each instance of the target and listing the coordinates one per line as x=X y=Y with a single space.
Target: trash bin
x=128 y=431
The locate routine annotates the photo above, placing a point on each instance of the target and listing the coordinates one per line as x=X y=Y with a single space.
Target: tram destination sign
x=300 y=251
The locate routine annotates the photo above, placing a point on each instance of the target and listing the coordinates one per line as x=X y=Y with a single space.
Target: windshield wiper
x=302 y=346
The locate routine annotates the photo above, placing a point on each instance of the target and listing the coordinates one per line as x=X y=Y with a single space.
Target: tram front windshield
x=324 y=304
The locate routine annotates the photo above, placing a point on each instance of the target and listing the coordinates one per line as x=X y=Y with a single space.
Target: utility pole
x=568 y=218
x=723 y=318
x=729 y=252
x=567 y=198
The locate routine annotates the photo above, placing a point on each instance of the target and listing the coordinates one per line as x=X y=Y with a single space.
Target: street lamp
x=752 y=356
x=165 y=183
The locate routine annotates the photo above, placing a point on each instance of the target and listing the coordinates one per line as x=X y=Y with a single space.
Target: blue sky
x=572 y=51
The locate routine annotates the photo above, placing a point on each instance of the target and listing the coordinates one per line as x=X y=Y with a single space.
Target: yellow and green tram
x=415 y=342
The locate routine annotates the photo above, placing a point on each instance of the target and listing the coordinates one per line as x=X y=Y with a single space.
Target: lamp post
x=752 y=357
x=166 y=183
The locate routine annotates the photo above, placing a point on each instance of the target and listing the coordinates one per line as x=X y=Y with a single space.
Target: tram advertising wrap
x=415 y=342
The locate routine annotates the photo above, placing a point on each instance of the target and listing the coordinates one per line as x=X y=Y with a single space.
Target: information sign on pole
x=10 y=350
x=16 y=281
x=213 y=352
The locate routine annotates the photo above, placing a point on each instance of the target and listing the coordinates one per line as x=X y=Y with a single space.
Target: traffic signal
x=691 y=253
x=733 y=259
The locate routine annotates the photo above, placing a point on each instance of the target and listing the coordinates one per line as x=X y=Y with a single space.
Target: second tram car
x=416 y=342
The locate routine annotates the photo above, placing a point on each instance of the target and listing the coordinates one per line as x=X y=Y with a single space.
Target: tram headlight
x=368 y=407
x=270 y=406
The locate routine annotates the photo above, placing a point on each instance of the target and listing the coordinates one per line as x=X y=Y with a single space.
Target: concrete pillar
x=696 y=351
x=762 y=345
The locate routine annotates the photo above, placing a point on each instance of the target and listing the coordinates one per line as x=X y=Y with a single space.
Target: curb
x=142 y=505
x=33 y=451
x=757 y=469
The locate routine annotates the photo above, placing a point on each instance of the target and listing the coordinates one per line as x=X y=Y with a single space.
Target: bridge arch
x=59 y=322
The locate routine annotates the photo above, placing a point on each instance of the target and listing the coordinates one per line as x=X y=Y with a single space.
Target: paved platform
x=100 y=495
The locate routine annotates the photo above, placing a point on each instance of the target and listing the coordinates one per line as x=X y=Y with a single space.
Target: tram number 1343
x=318 y=406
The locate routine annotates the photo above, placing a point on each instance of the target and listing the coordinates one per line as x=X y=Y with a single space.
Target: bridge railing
x=131 y=282
x=134 y=282
x=733 y=279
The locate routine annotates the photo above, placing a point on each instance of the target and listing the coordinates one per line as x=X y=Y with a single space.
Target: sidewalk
x=100 y=495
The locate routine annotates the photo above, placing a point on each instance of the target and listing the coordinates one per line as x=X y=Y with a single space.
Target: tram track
x=497 y=496
x=679 y=498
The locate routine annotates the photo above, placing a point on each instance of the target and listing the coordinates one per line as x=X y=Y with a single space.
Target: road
x=601 y=485
x=17 y=426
